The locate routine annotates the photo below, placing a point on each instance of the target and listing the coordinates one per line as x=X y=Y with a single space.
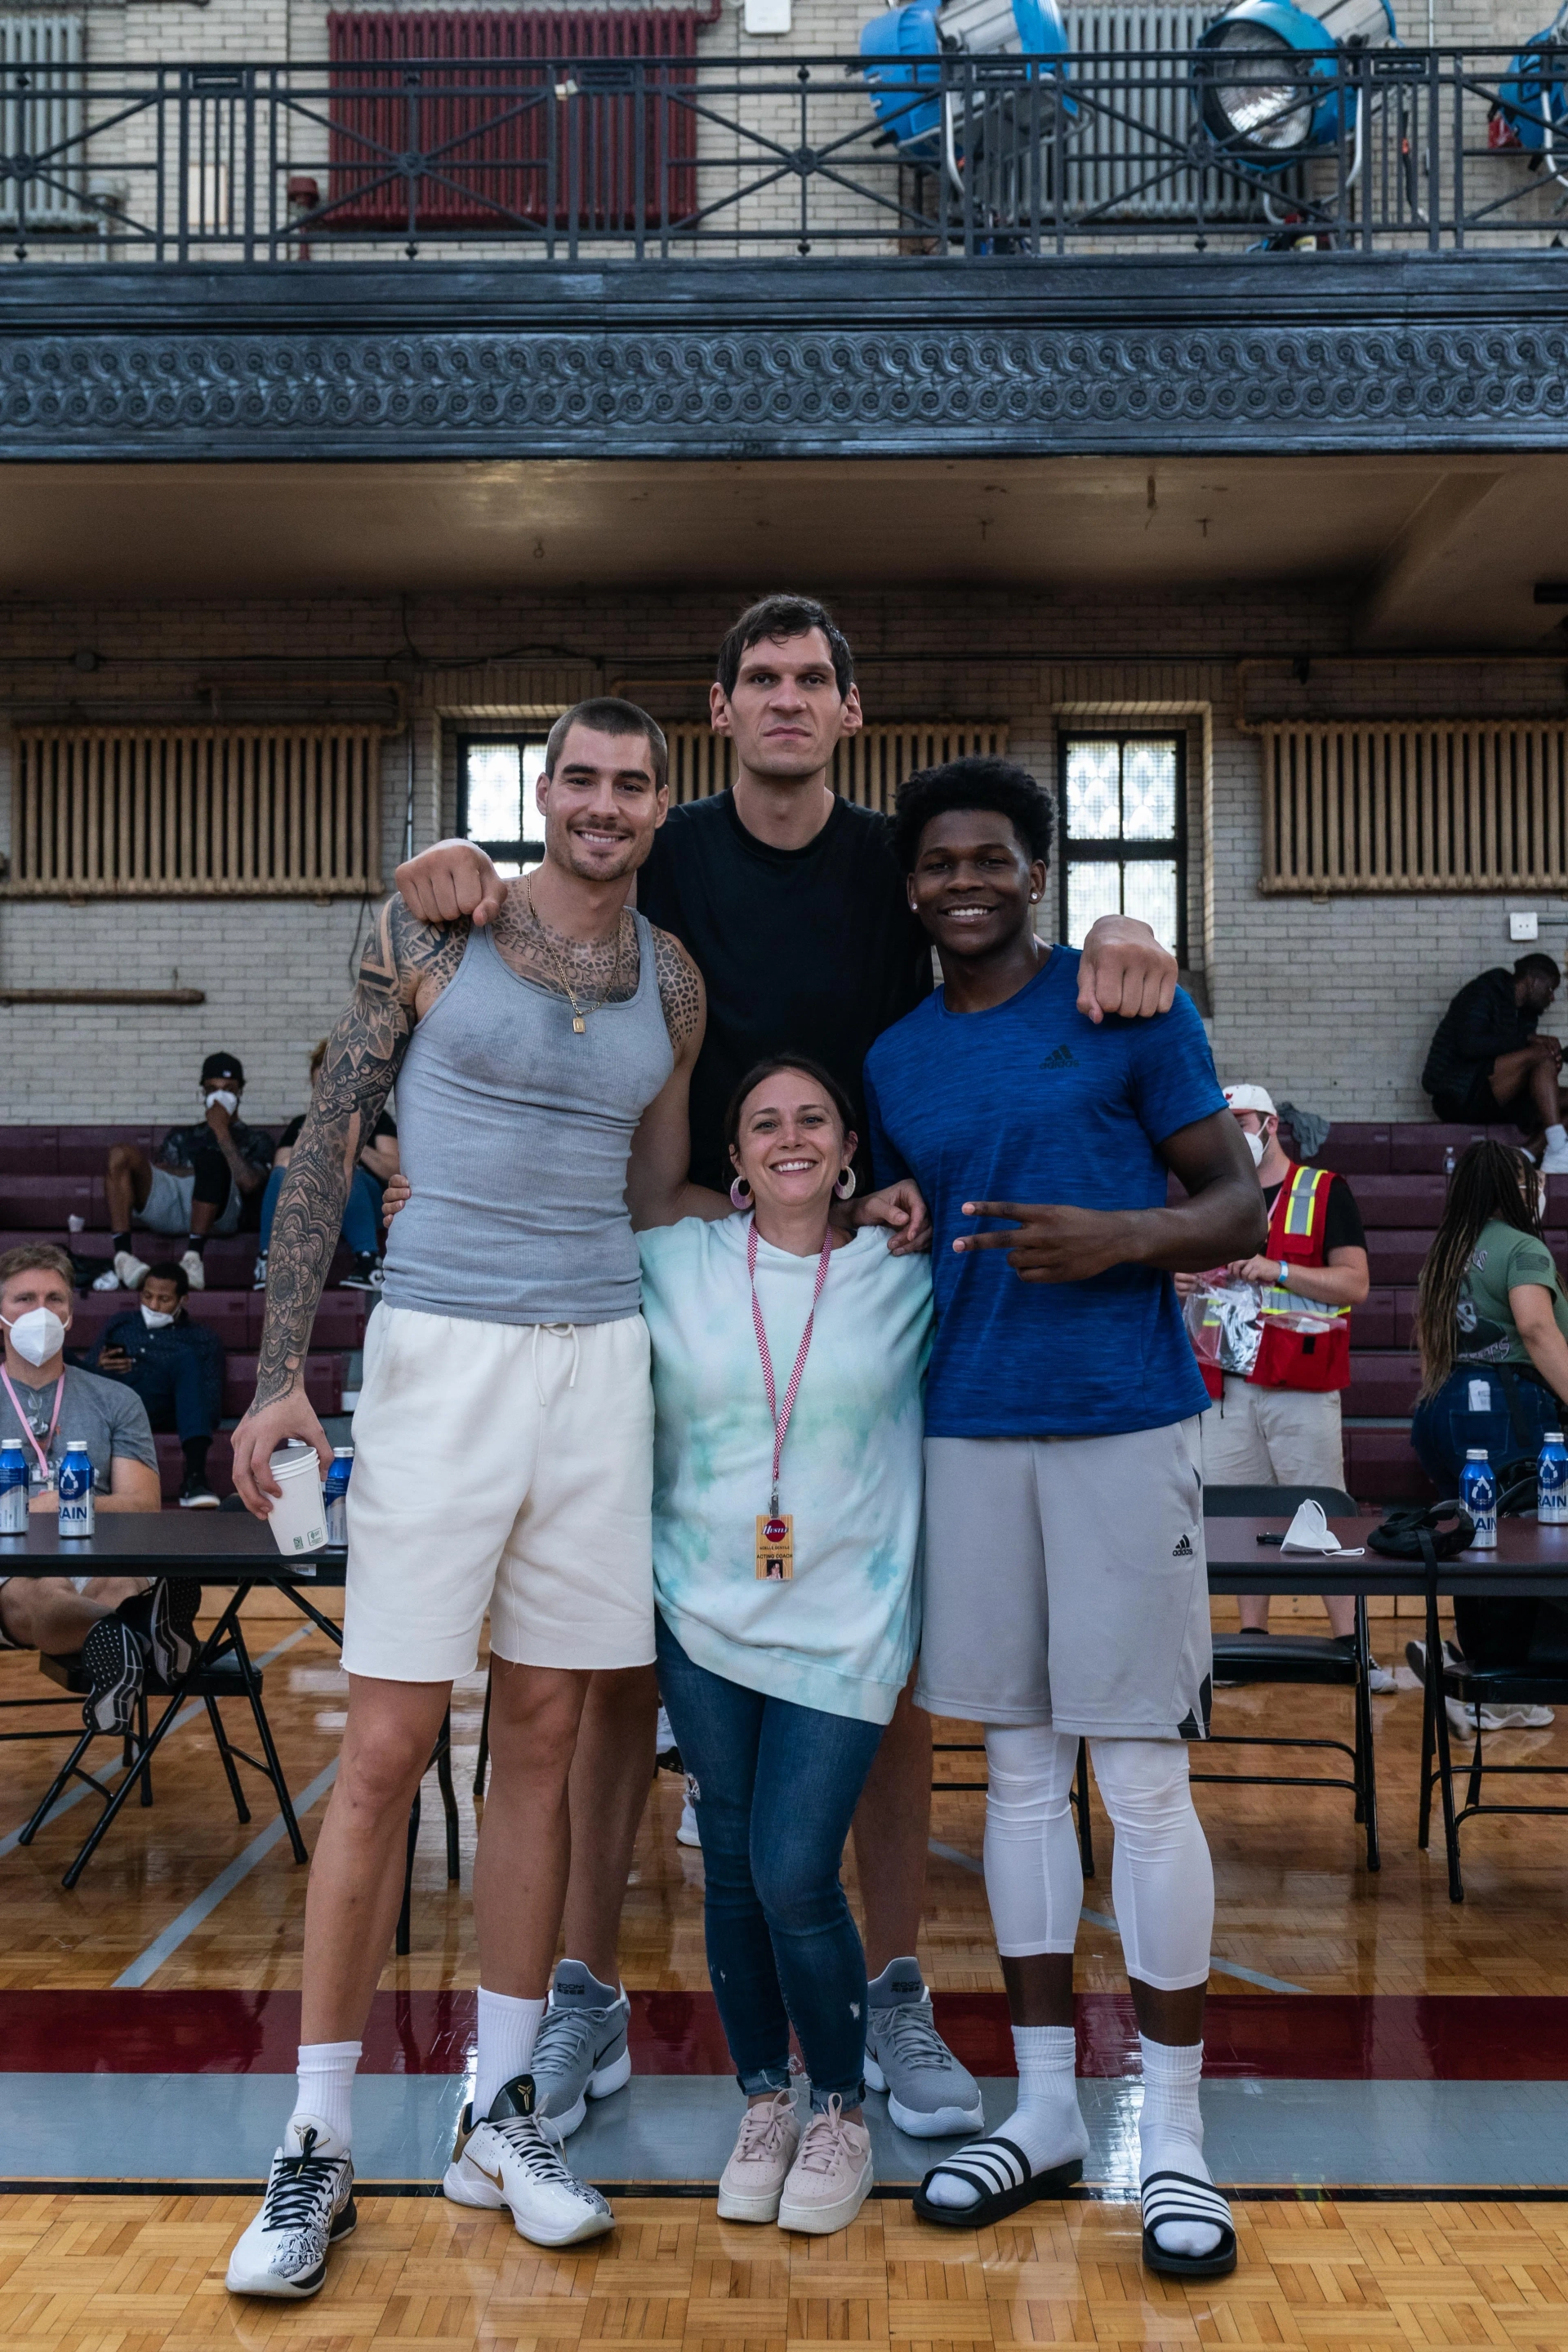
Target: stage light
x=894 y=43
x=1532 y=99
x=1263 y=93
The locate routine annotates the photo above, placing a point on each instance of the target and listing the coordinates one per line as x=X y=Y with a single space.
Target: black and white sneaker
x=307 y=2209
x=195 y=1495
x=513 y=2158
x=365 y=1274
x=258 y=1277
x=115 y=1663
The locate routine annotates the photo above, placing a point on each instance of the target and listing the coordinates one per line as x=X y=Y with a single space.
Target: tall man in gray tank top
x=504 y=1436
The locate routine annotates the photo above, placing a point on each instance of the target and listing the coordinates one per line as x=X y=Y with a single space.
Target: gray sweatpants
x=1066 y=1583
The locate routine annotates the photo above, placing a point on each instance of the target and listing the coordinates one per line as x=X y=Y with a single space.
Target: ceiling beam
x=1384 y=614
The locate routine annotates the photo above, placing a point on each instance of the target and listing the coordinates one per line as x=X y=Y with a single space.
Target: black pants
x=1520 y=1411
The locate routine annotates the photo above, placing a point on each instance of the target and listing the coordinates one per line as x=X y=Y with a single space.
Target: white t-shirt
x=841 y=1635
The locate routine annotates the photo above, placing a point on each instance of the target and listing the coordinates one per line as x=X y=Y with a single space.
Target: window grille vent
x=43 y=120
x=867 y=768
x=196 y=811
x=1442 y=805
x=1118 y=161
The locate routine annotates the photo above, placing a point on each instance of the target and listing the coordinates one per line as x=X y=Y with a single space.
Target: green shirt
x=1502 y=1260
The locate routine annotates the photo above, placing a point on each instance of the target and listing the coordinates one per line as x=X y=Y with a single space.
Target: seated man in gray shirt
x=119 y=1625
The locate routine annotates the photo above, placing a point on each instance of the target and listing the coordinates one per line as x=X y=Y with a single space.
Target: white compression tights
x=1162 y=1882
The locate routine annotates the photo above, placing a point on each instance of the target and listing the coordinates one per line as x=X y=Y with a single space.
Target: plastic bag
x=1224 y=1322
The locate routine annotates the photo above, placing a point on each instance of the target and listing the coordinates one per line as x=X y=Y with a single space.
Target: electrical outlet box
x=767 y=16
x=1524 y=926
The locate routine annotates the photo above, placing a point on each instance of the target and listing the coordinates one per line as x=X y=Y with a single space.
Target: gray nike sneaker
x=930 y=2095
x=581 y=2053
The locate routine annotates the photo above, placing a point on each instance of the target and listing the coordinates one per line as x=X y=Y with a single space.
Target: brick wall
x=1331 y=1005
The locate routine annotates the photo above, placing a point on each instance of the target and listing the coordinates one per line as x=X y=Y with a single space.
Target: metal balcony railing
x=557 y=159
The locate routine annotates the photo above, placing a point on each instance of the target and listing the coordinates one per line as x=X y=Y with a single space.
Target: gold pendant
x=578 y=1024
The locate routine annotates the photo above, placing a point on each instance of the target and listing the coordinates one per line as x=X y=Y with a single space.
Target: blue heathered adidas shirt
x=1029 y=1101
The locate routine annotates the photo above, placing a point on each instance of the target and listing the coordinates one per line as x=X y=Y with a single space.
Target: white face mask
x=1258 y=1145
x=226 y=1101
x=37 y=1335
x=153 y=1320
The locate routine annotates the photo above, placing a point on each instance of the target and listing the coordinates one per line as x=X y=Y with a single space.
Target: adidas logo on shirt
x=1064 y=1059
x=1184 y=1550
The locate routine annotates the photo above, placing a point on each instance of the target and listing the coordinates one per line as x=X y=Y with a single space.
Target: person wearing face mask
x=176 y=1367
x=119 y=1625
x=1278 y=1423
x=206 y=1179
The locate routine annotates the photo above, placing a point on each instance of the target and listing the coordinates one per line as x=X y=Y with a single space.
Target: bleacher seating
x=49 y=1174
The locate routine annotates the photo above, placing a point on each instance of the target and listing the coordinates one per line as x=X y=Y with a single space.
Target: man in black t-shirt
x=1488 y=1061
x=791 y=904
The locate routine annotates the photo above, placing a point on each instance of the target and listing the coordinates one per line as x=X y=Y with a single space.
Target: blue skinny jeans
x=776 y=1790
x=362 y=1213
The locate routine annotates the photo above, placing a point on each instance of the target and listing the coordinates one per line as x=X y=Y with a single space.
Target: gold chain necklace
x=578 y=1011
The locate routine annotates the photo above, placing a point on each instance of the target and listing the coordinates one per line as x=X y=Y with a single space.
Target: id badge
x=776 y=1547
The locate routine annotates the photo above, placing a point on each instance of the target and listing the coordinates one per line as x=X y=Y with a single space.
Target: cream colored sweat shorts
x=500 y=1466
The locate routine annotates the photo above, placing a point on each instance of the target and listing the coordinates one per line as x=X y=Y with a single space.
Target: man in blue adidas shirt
x=1066 y=1589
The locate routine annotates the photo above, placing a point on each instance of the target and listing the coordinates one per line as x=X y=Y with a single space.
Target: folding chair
x=1079 y=1793
x=1475 y=1686
x=1314 y=1658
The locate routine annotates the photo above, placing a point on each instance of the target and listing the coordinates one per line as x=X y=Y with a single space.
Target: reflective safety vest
x=1288 y=1356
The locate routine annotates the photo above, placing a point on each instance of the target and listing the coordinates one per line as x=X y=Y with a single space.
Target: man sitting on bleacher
x=176 y=1367
x=207 y=1180
x=117 y=1622
x=1488 y=1063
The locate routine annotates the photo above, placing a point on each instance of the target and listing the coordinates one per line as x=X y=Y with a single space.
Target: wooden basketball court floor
x=1389 y=2093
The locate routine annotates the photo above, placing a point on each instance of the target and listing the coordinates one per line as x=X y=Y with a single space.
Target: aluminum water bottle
x=335 y=1494
x=1552 y=1487
x=1478 y=1492
x=76 y=1489
x=15 y=1483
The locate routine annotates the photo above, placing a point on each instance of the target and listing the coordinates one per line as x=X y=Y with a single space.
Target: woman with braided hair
x=1492 y=1326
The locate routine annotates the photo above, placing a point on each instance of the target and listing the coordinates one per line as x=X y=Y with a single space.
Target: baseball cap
x=1256 y=1098
x=222 y=1065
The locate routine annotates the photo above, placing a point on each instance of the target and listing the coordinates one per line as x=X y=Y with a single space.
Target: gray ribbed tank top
x=514 y=1133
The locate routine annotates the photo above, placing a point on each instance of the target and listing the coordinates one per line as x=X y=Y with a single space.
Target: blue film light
x=895 y=44
x=1264 y=94
x=1532 y=100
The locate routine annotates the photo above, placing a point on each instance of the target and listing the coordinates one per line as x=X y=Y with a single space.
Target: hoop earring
x=741 y=1192
x=844 y=1183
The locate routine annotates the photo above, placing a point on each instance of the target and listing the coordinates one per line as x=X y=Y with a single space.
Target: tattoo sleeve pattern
x=679 y=988
x=405 y=964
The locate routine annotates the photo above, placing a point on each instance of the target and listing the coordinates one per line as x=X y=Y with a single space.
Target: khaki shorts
x=1273 y=1437
x=506 y=1468
x=1066 y=1583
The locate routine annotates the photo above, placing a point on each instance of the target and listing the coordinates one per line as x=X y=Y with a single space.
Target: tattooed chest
x=585 y=971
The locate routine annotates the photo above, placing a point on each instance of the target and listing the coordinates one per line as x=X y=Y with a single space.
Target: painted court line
x=13 y=1838
x=1103 y=1919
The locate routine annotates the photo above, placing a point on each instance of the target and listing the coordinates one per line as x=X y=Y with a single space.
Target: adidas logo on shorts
x=1184 y=1550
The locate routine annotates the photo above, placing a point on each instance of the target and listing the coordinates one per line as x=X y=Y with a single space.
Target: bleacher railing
x=660 y=158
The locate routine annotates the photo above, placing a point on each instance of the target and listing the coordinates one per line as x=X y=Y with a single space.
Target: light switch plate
x=1524 y=926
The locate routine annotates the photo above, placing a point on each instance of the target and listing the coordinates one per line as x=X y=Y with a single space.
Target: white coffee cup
x=299 y=1518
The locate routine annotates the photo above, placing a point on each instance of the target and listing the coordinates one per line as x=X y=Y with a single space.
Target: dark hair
x=1493 y=1183
x=610 y=716
x=1536 y=962
x=222 y=1066
x=773 y=618
x=168 y=1270
x=978 y=781
x=769 y=1069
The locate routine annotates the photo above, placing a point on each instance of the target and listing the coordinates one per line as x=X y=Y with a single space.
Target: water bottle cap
x=10 y=1445
x=1476 y=1453
x=76 y=1445
x=1555 y=1437
x=340 y=1453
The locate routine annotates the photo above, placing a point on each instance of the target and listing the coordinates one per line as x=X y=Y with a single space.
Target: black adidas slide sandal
x=1177 y=2197
x=999 y=2171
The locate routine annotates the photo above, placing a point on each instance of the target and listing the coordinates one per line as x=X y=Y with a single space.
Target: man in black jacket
x=176 y=1367
x=1488 y=1062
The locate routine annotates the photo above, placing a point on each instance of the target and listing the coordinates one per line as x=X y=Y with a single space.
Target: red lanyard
x=27 y=1430
x=781 y=1421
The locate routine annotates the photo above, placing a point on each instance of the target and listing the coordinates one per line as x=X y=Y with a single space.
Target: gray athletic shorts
x=168 y=1205
x=1066 y=1583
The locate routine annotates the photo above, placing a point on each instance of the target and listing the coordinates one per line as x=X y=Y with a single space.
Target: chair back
x=1270 y=1502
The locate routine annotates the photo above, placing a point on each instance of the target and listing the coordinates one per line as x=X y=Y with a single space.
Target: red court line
x=1320 y=2037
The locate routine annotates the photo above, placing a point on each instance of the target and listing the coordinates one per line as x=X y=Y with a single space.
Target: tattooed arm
x=405 y=966
x=658 y=1190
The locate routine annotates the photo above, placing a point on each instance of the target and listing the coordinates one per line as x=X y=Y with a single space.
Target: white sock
x=508 y=2031
x=1171 y=2133
x=1045 y=2122
x=1557 y=1138
x=326 y=2078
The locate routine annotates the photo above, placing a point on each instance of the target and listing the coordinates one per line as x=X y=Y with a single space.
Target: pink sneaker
x=831 y=2177
x=753 y=2178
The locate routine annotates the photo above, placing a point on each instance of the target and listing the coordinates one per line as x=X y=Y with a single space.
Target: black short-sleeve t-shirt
x=811 y=950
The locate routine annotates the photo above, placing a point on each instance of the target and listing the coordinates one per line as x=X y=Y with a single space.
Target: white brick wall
x=1329 y=1006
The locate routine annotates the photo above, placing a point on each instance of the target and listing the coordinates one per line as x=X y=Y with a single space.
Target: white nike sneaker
x=195 y=1272
x=309 y=2207
x=513 y=2158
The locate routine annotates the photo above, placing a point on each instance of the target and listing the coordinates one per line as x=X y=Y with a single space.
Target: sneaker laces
x=537 y=2146
x=908 y=2030
x=763 y=2128
x=565 y=2036
x=823 y=2145
x=300 y=2188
